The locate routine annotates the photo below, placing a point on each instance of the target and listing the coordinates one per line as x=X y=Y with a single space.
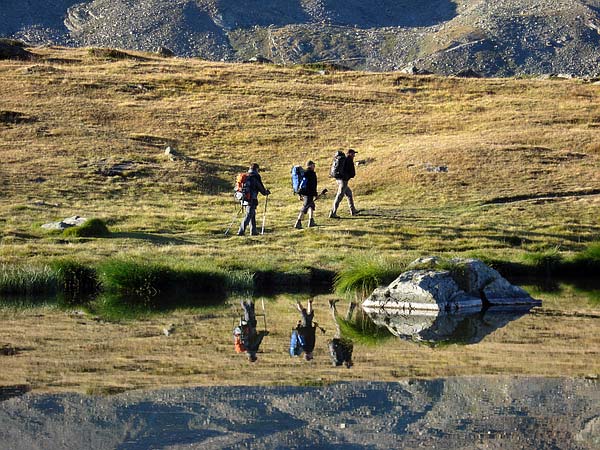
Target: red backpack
x=242 y=187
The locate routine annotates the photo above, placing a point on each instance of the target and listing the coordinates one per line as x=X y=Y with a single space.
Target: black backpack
x=337 y=166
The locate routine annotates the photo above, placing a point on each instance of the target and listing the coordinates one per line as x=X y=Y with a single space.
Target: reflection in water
x=469 y=412
x=464 y=327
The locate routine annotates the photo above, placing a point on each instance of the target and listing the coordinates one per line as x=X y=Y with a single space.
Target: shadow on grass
x=153 y=238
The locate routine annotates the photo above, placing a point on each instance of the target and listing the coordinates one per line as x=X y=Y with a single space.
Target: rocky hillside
x=504 y=37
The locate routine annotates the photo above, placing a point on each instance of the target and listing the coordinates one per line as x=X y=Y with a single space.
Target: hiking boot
x=311 y=223
x=240 y=232
x=354 y=212
x=333 y=215
x=254 y=233
x=298 y=225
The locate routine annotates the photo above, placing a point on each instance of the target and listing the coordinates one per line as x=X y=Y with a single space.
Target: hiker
x=308 y=194
x=303 y=336
x=254 y=186
x=340 y=349
x=245 y=337
x=343 y=171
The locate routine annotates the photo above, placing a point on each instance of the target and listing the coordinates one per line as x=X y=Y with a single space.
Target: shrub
x=90 y=228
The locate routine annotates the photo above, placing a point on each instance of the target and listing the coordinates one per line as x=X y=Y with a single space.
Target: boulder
x=69 y=222
x=425 y=290
x=11 y=49
x=434 y=284
x=164 y=52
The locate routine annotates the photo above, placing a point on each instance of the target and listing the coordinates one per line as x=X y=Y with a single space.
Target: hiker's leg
x=246 y=220
x=252 y=213
x=338 y=331
x=350 y=198
x=351 y=308
x=249 y=313
x=339 y=195
x=309 y=308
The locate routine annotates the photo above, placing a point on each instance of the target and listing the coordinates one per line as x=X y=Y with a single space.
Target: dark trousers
x=249 y=219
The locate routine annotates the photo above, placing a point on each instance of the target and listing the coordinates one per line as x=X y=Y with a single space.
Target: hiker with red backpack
x=343 y=170
x=247 y=190
x=245 y=337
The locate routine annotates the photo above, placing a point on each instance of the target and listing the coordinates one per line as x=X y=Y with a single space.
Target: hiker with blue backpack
x=343 y=170
x=307 y=189
x=245 y=337
x=248 y=186
x=304 y=335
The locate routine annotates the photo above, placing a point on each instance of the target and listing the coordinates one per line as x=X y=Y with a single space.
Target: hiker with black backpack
x=245 y=337
x=343 y=170
x=304 y=335
x=308 y=193
x=248 y=188
x=340 y=348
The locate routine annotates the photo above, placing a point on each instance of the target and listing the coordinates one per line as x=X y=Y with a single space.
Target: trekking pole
x=237 y=212
x=262 y=231
x=264 y=312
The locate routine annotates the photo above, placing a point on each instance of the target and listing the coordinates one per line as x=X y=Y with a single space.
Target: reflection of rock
x=438 y=285
x=465 y=327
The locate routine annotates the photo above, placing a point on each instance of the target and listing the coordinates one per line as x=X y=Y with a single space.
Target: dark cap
x=310 y=163
x=253 y=166
x=351 y=150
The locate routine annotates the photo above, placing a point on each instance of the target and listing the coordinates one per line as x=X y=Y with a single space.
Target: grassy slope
x=499 y=138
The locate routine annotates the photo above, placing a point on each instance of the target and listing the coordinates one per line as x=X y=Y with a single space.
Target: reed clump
x=362 y=274
x=28 y=280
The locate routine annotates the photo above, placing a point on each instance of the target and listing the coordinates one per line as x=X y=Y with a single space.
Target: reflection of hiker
x=245 y=337
x=254 y=185
x=340 y=349
x=309 y=194
x=343 y=170
x=303 y=336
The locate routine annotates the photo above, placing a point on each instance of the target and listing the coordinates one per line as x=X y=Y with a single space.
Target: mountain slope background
x=501 y=38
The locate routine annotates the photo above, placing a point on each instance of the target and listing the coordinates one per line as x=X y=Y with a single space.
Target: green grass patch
x=28 y=280
x=90 y=228
x=362 y=274
x=75 y=280
x=363 y=330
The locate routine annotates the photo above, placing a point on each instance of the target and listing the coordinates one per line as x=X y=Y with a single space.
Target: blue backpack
x=296 y=344
x=298 y=180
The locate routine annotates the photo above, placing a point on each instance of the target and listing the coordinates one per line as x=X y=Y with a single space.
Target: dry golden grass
x=498 y=138
x=531 y=140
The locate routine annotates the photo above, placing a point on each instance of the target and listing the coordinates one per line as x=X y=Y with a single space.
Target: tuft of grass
x=28 y=280
x=75 y=280
x=587 y=262
x=544 y=262
x=362 y=330
x=90 y=228
x=134 y=278
x=362 y=274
